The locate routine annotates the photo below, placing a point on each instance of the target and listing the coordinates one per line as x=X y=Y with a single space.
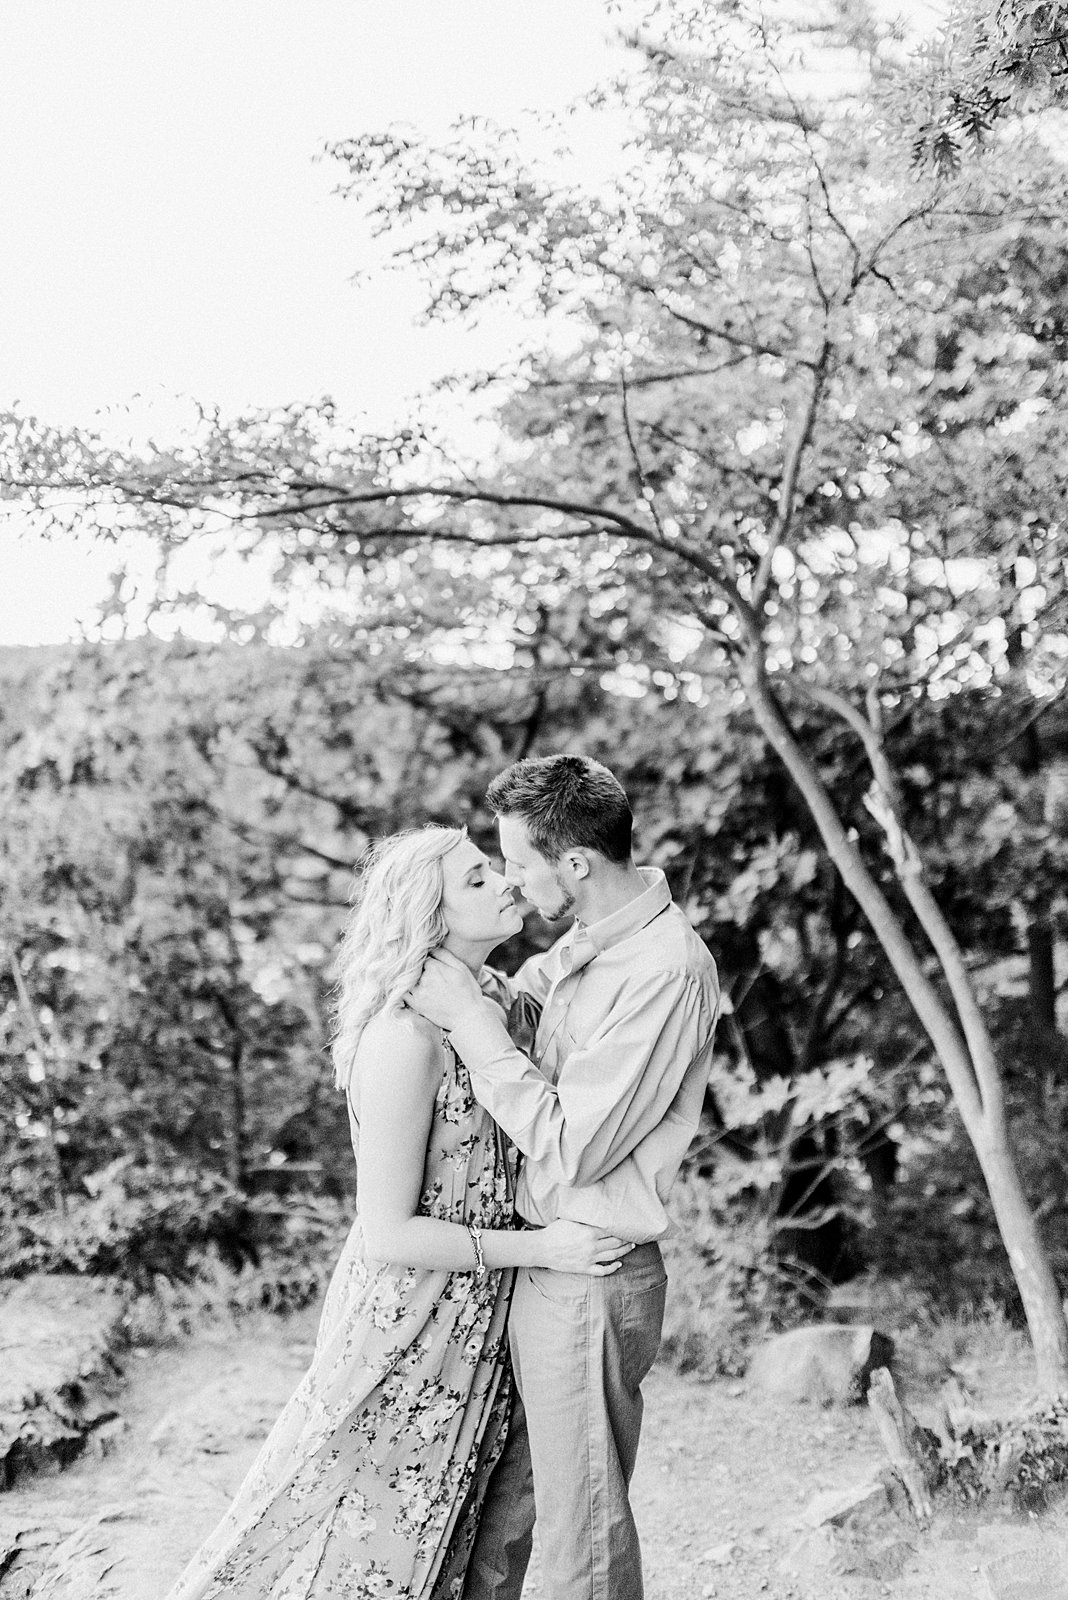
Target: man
x=602 y=1113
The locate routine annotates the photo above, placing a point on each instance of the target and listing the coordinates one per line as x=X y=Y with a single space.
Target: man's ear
x=578 y=863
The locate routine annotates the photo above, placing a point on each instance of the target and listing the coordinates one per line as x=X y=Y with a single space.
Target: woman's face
x=477 y=903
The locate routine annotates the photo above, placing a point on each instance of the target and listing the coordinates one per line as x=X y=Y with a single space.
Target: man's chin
x=555 y=913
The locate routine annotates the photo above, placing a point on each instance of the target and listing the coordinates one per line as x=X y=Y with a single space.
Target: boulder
x=1035 y=1574
x=833 y=1507
x=60 y=1335
x=826 y=1363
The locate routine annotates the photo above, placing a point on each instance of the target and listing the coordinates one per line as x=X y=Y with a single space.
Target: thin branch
x=1029 y=721
x=645 y=380
x=713 y=330
x=784 y=515
x=660 y=431
x=632 y=445
x=867 y=991
x=815 y=1031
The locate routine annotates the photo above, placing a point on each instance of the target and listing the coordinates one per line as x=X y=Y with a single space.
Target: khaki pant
x=580 y=1349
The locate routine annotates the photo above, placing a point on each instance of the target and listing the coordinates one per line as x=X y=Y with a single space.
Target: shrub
x=134 y=1222
x=1020 y=1460
x=294 y=1269
x=728 y=1286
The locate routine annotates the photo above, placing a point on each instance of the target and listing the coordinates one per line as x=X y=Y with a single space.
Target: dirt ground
x=722 y=1482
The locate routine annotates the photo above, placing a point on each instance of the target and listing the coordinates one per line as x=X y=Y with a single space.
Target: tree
x=780 y=424
x=990 y=58
x=771 y=268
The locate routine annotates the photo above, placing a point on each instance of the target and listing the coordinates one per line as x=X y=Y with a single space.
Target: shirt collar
x=586 y=941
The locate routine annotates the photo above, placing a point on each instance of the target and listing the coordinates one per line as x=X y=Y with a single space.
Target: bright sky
x=167 y=231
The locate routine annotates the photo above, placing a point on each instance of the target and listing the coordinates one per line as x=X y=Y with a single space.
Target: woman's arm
x=398 y=1071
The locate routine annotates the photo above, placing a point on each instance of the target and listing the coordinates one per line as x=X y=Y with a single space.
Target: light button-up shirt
x=606 y=1105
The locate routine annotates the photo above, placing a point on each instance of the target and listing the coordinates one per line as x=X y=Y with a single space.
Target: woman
x=371 y=1481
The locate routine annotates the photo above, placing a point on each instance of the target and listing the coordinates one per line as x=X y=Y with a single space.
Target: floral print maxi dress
x=371 y=1481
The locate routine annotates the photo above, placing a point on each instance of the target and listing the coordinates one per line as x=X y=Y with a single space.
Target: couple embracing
x=500 y=1296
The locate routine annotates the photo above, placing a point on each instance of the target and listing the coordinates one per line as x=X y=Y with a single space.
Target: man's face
x=544 y=883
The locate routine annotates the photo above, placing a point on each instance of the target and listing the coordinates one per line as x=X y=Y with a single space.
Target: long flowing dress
x=371 y=1481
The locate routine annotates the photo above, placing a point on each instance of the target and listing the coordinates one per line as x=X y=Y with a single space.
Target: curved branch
x=601 y=519
x=429 y=491
x=884 y=803
x=939 y=1024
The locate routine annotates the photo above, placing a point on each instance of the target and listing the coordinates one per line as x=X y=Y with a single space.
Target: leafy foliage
x=135 y=1222
x=790 y=483
x=1022 y=1459
x=728 y=1287
x=991 y=56
x=123 y=1113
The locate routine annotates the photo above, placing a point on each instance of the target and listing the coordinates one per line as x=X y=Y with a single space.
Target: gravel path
x=721 y=1482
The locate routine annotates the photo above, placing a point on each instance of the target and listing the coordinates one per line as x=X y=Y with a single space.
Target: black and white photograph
x=534 y=800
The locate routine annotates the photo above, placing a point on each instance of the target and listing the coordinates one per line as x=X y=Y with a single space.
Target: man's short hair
x=567 y=803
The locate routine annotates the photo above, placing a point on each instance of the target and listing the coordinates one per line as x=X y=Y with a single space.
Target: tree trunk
x=238 y=1164
x=1045 y=1050
x=1041 y=1298
x=984 y=1125
x=1042 y=987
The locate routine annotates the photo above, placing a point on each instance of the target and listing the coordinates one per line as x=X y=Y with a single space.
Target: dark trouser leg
x=501 y=1551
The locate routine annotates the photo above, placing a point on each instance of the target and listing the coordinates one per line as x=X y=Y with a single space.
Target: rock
x=1040 y=1574
x=77 y=1568
x=874 y=1553
x=826 y=1362
x=28 y=1537
x=59 y=1338
x=835 y=1506
x=719 y=1555
x=810 y=1557
x=853 y=1302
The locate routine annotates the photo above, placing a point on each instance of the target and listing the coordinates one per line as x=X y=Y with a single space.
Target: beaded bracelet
x=480 y=1260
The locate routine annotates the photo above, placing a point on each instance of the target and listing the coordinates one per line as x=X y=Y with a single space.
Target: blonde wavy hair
x=396 y=921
